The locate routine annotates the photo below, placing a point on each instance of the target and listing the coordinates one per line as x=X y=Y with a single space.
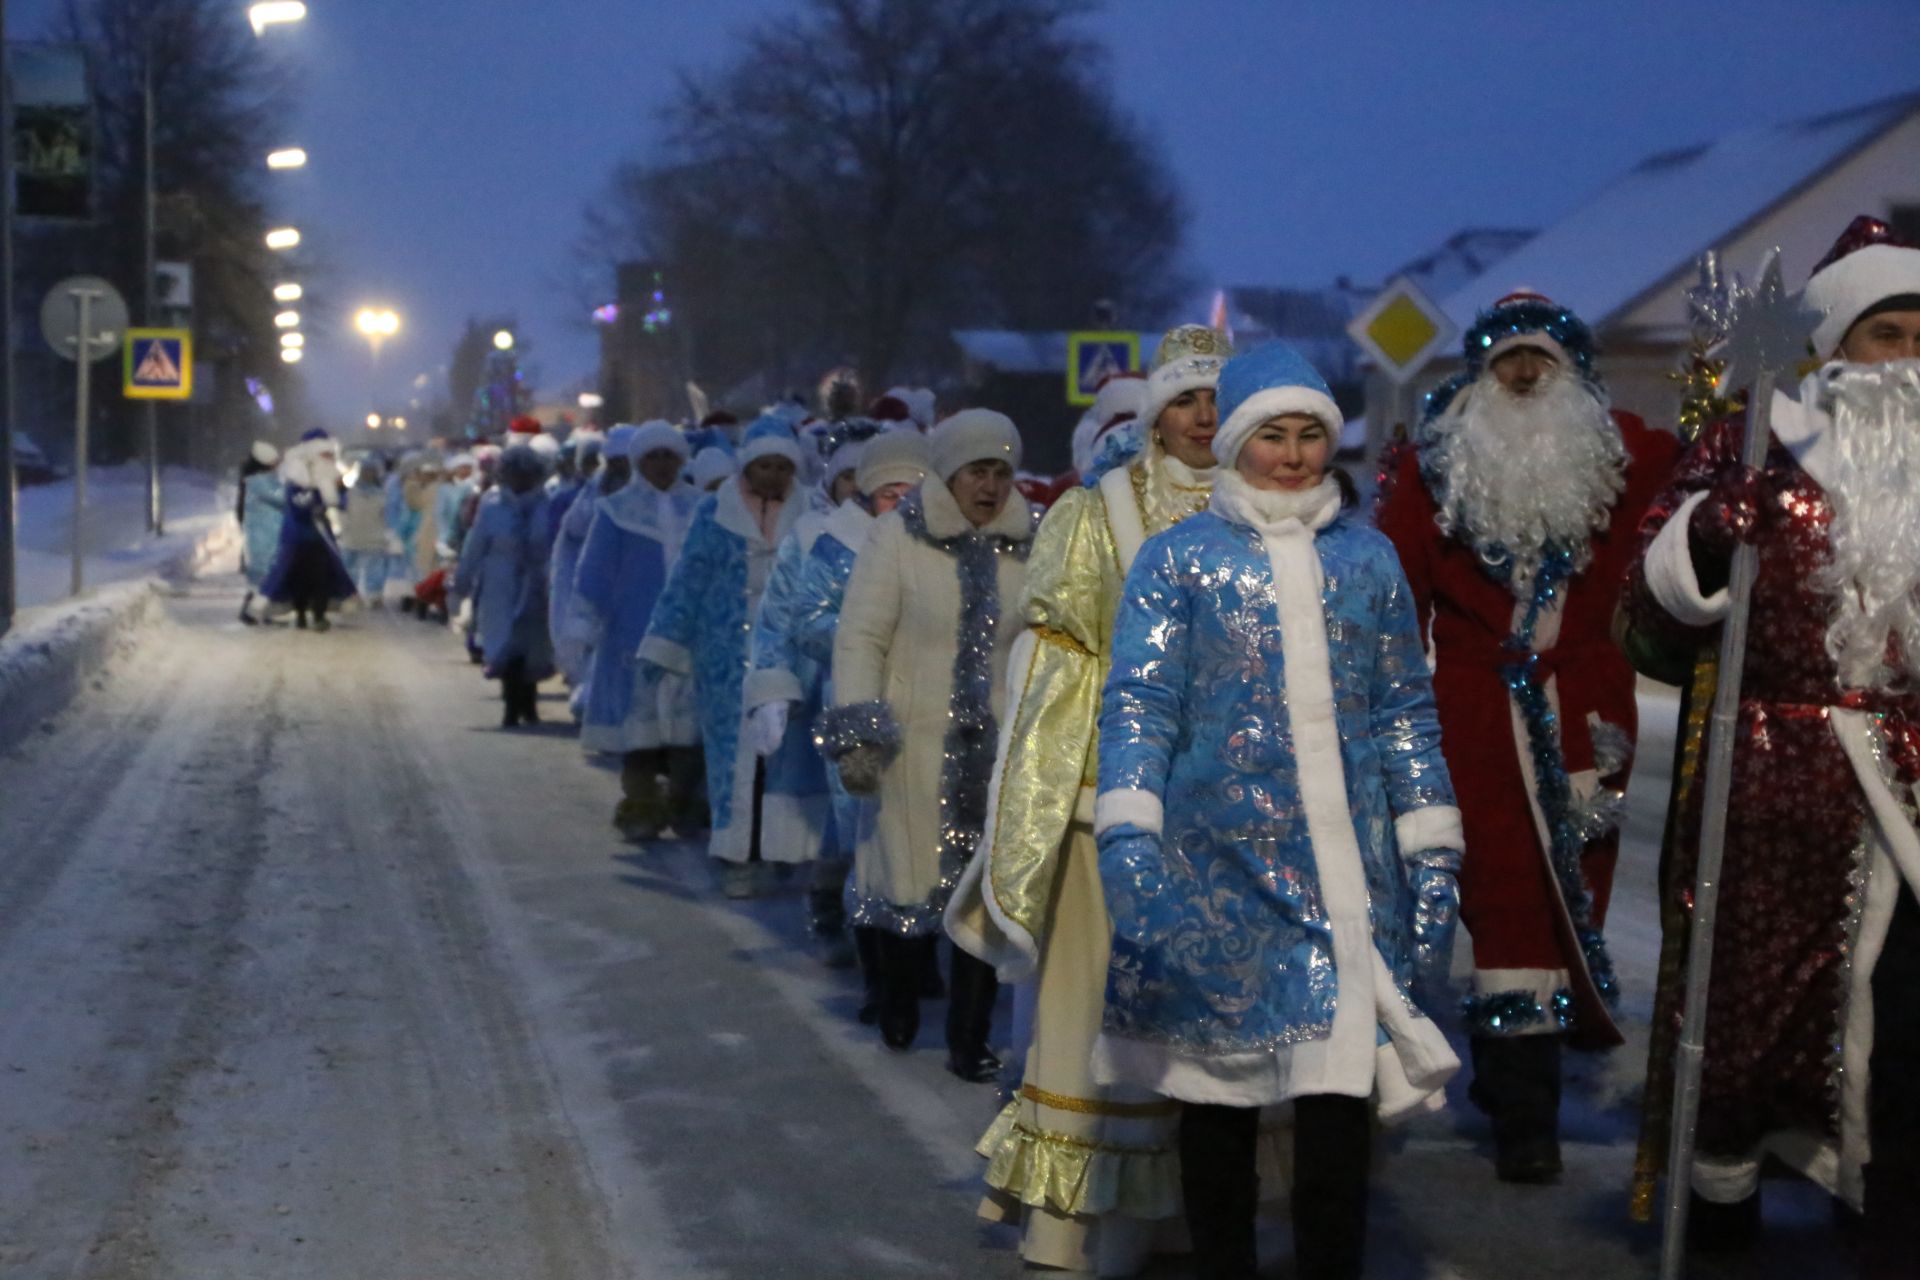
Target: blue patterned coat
x=1229 y=779
x=702 y=626
x=503 y=568
x=795 y=635
x=631 y=539
x=266 y=501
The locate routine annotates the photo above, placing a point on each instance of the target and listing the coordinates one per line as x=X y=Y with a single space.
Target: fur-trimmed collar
x=1270 y=511
x=1803 y=423
x=730 y=513
x=850 y=523
x=940 y=519
x=640 y=508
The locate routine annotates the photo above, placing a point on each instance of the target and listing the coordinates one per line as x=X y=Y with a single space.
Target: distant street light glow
x=293 y=340
x=274 y=12
x=377 y=322
x=288 y=293
x=287 y=320
x=282 y=238
x=373 y=422
x=591 y=400
x=503 y=340
x=287 y=158
x=292 y=355
x=399 y=424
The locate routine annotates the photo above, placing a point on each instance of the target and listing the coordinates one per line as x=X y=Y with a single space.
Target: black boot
x=827 y=913
x=1332 y=1149
x=866 y=944
x=1516 y=1081
x=529 y=701
x=246 y=611
x=899 y=989
x=1221 y=1185
x=931 y=986
x=970 y=1019
x=1722 y=1230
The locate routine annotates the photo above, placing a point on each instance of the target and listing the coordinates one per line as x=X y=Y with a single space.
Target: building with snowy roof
x=1625 y=259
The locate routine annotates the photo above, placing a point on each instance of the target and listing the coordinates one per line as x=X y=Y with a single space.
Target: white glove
x=767 y=727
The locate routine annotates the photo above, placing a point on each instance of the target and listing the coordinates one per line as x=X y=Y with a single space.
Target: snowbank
x=56 y=646
x=118 y=548
x=52 y=652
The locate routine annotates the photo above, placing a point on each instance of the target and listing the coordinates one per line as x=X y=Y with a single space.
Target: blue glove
x=1134 y=873
x=1436 y=914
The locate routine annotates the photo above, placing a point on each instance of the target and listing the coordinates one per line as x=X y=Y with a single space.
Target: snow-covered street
x=311 y=971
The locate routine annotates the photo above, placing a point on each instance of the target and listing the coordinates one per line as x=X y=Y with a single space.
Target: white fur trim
x=849 y=523
x=1128 y=806
x=1435 y=827
x=1850 y=287
x=770 y=684
x=1803 y=427
x=1271 y=403
x=1174 y=379
x=658 y=434
x=770 y=446
x=663 y=652
x=1538 y=338
x=945 y=520
x=1670 y=575
x=791 y=827
x=1123 y=515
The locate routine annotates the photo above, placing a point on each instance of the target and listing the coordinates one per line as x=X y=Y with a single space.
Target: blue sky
x=455 y=142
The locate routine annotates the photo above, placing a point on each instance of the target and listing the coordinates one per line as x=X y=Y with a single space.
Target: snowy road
x=307 y=970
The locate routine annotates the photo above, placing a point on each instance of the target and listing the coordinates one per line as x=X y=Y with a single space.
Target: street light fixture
x=282 y=238
x=288 y=293
x=399 y=424
x=274 y=12
x=293 y=340
x=503 y=340
x=292 y=355
x=373 y=422
x=287 y=158
x=287 y=320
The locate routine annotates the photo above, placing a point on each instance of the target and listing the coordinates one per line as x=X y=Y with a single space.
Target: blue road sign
x=1092 y=358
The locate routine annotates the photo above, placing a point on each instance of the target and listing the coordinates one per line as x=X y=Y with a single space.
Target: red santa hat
x=524 y=425
x=1865 y=271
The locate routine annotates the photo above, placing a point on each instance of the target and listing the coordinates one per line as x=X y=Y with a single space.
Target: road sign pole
x=155 y=517
x=83 y=299
x=9 y=482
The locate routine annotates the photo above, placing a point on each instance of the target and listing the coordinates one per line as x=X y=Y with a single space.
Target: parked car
x=30 y=462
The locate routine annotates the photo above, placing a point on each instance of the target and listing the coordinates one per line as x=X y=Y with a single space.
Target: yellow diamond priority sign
x=1401 y=330
x=158 y=364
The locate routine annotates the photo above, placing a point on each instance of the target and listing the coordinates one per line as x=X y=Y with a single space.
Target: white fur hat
x=842 y=460
x=898 y=456
x=970 y=436
x=710 y=464
x=265 y=454
x=1867 y=266
x=658 y=434
x=770 y=436
x=547 y=446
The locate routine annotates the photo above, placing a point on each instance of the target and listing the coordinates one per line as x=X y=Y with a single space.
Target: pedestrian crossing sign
x=159 y=364
x=1092 y=358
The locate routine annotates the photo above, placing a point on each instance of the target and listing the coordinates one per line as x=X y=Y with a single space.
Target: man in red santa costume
x=1813 y=1015
x=1515 y=515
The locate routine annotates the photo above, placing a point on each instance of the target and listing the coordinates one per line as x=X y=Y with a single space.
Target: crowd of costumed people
x=1209 y=757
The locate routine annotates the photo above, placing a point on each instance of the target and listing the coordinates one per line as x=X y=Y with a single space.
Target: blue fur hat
x=770 y=436
x=1262 y=384
x=1525 y=319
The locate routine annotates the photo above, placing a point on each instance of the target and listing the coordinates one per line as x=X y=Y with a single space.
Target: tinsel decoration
x=1513 y=1013
x=1524 y=316
x=972 y=729
x=838 y=730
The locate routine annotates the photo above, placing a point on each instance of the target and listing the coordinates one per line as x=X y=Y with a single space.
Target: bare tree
x=217 y=98
x=867 y=174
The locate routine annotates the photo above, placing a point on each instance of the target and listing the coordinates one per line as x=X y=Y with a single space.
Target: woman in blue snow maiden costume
x=1278 y=837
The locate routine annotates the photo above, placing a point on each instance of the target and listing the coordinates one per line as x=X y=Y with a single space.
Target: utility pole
x=9 y=490
x=148 y=306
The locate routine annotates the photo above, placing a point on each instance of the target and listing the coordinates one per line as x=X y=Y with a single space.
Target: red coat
x=1790 y=898
x=1515 y=903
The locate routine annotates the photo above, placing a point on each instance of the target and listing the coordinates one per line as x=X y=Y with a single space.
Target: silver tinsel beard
x=1874 y=573
x=1523 y=472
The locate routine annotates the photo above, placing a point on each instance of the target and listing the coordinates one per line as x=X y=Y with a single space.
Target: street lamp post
x=376 y=325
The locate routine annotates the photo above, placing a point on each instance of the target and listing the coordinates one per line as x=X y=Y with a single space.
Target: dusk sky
x=456 y=142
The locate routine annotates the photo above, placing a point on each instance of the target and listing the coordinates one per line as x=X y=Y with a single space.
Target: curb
x=46 y=664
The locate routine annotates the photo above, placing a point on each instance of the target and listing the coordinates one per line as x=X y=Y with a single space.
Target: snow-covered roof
x=1658 y=218
x=1013 y=350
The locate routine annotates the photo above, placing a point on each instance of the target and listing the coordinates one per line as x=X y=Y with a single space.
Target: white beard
x=1525 y=471
x=1875 y=535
